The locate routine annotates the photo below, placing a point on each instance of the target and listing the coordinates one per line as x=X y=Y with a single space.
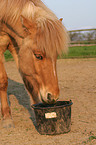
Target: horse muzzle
x=48 y=97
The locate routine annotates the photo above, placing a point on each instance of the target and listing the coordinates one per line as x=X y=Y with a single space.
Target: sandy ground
x=77 y=81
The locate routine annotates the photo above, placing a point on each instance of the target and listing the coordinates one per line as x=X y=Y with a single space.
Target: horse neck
x=15 y=33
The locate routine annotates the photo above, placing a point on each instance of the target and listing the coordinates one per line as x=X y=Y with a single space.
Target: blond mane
x=51 y=35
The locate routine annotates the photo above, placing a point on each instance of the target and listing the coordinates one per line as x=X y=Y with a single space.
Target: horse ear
x=29 y=26
x=61 y=19
x=25 y=22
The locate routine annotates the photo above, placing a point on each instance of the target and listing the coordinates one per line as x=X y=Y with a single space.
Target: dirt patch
x=77 y=81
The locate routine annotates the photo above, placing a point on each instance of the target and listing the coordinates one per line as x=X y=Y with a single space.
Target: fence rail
x=82 y=30
x=82 y=37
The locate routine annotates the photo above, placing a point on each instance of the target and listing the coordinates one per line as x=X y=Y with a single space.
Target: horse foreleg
x=3 y=92
x=5 y=109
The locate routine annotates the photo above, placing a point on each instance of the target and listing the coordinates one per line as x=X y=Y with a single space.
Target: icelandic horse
x=35 y=37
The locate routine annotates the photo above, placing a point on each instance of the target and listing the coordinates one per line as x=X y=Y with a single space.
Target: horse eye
x=38 y=56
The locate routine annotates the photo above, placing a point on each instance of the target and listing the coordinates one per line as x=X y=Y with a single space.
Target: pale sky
x=76 y=14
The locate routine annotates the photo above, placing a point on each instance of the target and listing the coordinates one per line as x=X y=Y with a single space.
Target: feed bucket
x=53 y=119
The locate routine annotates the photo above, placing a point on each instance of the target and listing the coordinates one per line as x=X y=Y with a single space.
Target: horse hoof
x=7 y=123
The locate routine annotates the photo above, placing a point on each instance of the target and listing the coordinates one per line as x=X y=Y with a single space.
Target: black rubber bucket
x=53 y=119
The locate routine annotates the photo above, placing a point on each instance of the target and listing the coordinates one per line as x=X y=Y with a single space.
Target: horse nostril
x=49 y=96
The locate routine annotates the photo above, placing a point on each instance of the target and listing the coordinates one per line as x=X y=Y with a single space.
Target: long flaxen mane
x=51 y=35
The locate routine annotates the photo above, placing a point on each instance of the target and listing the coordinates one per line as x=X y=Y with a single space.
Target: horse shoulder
x=4 y=42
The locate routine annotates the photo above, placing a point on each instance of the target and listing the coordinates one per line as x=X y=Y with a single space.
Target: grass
x=92 y=137
x=89 y=139
x=74 y=52
x=8 y=56
x=80 y=52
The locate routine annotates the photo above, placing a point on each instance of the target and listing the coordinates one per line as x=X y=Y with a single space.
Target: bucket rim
x=35 y=106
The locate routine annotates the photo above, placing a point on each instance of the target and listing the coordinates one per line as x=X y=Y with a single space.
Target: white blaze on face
x=54 y=71
x=43 y=94
x=44 y=89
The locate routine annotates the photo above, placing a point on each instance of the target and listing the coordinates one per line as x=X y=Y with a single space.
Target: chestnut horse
x=35 y=37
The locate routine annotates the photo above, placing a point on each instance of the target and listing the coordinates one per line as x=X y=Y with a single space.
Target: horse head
x=45 y=39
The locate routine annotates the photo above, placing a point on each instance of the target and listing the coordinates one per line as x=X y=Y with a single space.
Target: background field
x=81 y=52
x=74 y=52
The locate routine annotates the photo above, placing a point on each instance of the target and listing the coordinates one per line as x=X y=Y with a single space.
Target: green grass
x=89 y=140
x=8 y=56
x=92 y=137
x=74 y=52
x=80 y=52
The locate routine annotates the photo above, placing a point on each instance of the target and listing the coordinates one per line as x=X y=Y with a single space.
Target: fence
x=82 y=37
